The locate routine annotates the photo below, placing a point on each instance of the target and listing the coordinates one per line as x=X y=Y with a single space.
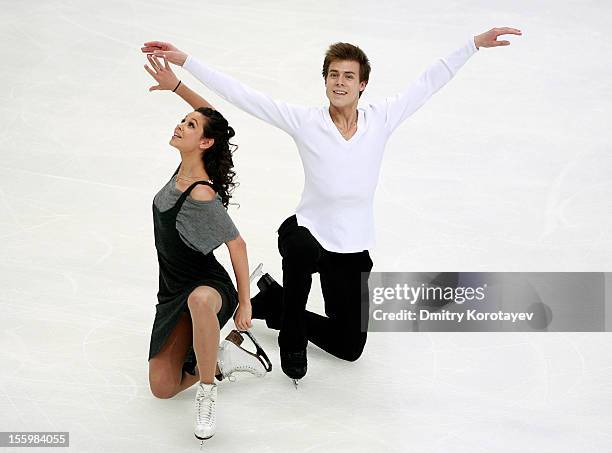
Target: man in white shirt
x=341 y=147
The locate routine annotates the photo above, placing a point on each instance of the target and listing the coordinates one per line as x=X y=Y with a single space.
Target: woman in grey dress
x=196 y=295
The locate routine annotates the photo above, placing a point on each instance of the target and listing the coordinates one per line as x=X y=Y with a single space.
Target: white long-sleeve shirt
x=337 y=204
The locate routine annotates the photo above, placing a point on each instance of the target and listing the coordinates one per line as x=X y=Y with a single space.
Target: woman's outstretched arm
x=167 y=80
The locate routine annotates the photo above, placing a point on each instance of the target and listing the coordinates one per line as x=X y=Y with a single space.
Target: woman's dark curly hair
x=218 y=158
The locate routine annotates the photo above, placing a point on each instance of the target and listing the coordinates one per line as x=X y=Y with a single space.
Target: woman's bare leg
x=204 y=303
x=166 y=376
x=187 y=381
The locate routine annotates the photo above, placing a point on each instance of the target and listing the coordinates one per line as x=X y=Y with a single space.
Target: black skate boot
x=294 y=364
x=265 y=282
x=268 y=303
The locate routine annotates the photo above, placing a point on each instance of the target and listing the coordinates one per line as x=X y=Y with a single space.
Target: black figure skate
x=294 y=365
x=269 y=308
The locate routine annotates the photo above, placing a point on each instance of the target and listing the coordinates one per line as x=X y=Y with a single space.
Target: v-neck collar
x=358 y=132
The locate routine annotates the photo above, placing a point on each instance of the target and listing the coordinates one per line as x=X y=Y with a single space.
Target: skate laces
x=243 y=367
x=205 y=402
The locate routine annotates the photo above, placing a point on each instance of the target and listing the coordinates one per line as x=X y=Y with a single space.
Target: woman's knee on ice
x=163 y=383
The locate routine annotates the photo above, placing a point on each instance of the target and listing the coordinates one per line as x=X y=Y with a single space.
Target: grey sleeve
x=205 y=225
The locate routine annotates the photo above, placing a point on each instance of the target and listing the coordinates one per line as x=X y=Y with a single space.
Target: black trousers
x=343 y=332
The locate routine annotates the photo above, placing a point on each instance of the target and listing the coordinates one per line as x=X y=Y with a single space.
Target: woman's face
x=188 y=134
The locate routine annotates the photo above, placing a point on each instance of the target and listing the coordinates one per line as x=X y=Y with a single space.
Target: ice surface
x=507 y=168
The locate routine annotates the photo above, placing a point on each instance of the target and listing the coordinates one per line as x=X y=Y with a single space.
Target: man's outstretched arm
x=258 y=104
x=400 y=107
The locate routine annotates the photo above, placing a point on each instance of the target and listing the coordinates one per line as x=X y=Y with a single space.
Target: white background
x=507 y=168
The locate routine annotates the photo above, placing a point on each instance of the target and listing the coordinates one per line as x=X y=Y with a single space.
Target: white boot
x=232 y=358
x=205 y=400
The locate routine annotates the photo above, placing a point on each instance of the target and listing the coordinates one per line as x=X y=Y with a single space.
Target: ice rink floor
x=507 y=168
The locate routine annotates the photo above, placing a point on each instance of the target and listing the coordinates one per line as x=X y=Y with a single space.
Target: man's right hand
x=165 y=50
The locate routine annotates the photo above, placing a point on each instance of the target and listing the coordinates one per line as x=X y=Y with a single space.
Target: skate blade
x=257 y=273
x=295 y=383
x=235 y=336
x=202 y=439
x=260 y=353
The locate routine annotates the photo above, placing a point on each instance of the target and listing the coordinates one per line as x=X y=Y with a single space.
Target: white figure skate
x=233 y=358
x=205 y=411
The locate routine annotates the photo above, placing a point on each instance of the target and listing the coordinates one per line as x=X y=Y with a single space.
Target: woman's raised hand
x=164 y=76
x=165 y=50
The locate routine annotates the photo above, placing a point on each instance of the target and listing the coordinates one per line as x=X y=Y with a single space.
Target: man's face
x=342 y=85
